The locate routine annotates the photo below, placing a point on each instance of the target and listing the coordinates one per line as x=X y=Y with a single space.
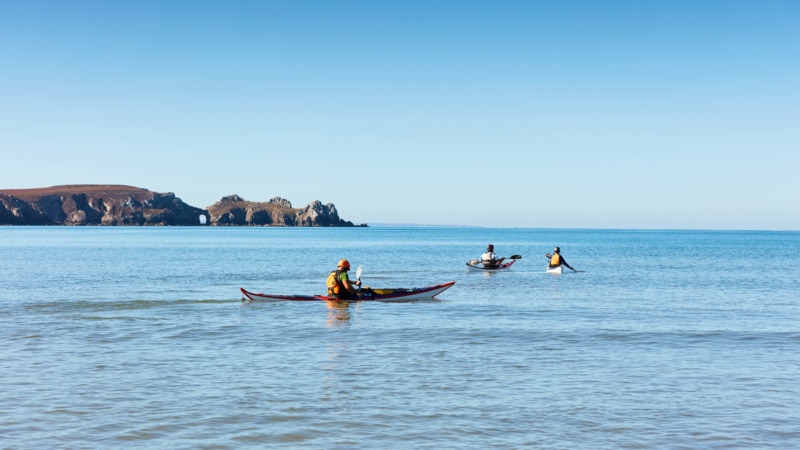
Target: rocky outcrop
x=95 y=205
x=233 y=210
x=91 y=204
x=14 y=211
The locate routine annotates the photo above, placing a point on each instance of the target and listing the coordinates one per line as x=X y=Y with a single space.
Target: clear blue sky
x=567 y=114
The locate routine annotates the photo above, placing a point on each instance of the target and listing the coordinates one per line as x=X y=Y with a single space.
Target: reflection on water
x=338 y=314
x=336 y=364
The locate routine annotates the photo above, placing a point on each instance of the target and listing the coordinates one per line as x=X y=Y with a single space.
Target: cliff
x=95 y=205
x=91 y=204
x=234 y=210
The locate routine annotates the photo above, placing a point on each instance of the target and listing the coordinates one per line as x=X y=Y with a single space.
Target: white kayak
x=556 y=269
x=476 y=265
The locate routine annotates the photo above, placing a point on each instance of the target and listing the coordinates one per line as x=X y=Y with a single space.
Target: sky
x=530 y=114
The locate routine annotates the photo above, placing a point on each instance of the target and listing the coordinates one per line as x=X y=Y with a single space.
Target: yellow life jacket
x=335 y=285
x=555 y=260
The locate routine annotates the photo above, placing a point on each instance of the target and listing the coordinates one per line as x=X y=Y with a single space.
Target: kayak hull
x=479 y=267
x=557 y=269
x=372 y=294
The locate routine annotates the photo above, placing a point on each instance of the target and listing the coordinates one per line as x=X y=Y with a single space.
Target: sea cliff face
x=95 y=205
x=233 y=210
x=128 y=205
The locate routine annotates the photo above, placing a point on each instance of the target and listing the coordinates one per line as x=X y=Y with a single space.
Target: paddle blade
x=515 y=257
x=548 y=255
x=358 y=273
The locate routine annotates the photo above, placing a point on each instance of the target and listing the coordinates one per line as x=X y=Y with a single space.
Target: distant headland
x=120 y=205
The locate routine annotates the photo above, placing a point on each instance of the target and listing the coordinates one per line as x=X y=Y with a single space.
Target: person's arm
x=349 y=286
x=564 y=261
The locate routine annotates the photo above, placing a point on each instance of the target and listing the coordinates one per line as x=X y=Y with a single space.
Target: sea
x=137 y=337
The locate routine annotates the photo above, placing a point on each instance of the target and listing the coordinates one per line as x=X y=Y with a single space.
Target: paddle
x=358 y=278
x=509 y=257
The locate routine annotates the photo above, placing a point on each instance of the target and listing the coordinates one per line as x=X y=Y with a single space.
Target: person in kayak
x=339 y=285
x=489 y=258
x=557 y=260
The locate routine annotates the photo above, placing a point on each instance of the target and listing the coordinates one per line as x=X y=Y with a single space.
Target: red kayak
x=368 y=294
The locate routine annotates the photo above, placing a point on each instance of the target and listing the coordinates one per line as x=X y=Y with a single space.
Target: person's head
x=556 y=250
x=344 y=265
x=490 y=248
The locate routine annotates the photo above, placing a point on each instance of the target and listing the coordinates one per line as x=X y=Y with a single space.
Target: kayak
x=557 y=269
x=368 y=294
x=475 y=265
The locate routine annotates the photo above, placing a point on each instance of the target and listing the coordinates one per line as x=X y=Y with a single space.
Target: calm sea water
x=136 y=337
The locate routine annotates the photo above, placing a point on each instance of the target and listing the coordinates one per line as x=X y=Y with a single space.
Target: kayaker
x=489 y=258
x=339 y=285
x=557 y=260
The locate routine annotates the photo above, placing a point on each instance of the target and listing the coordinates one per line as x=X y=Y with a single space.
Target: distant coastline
x=419 y=225
x=122 y=205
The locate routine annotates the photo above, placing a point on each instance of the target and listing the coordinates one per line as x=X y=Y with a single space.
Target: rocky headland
x=128 y=205
x=234 y=210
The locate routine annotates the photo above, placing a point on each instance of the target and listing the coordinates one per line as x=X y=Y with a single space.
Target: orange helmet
x=344 y=264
